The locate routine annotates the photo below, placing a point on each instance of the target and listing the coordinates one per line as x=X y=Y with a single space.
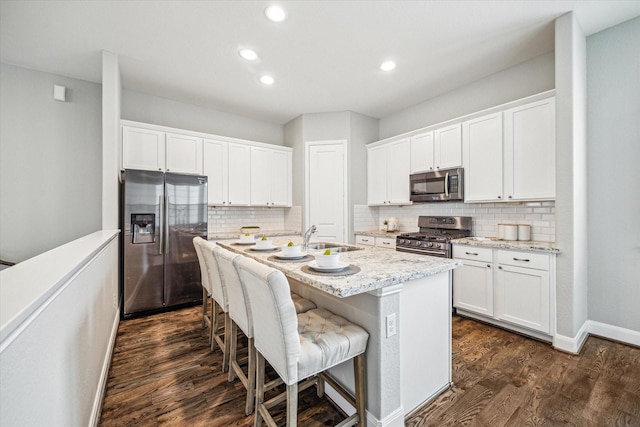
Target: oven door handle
x=442 y=254
x=446 y=184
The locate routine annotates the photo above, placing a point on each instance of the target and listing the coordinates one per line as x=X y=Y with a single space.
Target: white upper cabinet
x=149 y=149
x=270 y=177
x=388 y=170
x=435 y=150
x=142 y=149
x=482 y=146
x=510 y=155
x=215 y=167
x=239 y=174
x=183 y=154
x=422 y=152
x=530 y=151
x=448 y=147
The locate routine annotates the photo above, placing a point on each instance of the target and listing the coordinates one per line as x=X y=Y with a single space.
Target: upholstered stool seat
x=240 y=314
x=300 y=347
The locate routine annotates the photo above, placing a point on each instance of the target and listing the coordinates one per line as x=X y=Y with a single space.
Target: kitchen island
x=404 y=301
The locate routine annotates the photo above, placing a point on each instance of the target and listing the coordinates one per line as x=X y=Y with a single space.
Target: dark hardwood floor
x=163 y=373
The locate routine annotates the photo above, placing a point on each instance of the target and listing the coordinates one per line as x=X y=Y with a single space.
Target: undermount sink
x=334 y=247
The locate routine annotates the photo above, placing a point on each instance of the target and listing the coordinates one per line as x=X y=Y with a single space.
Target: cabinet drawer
x=365 y=240
x=473 y=253
x=524 y=259
x=386 y=242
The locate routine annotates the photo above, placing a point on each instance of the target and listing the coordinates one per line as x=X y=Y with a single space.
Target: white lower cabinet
x=380 y=242
x=510 y=288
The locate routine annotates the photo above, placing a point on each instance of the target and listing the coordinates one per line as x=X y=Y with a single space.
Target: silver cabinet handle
x=471 y=253
x=386 y=243
x=521 y=259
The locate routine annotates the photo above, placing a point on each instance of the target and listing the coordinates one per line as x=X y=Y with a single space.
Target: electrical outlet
x=391 y=325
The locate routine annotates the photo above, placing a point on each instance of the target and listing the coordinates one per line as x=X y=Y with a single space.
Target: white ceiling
x=324 y=57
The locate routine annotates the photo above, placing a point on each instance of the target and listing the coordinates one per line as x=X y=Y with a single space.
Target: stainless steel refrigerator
x=161 y=213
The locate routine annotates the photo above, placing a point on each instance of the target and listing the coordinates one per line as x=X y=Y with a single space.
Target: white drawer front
x=386 y=242
x=524 y=259
x=365 y=240
x=473 y=253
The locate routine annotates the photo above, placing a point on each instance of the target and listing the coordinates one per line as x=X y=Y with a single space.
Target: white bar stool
x=299 y=346
x=240 y=314
x=206 y=287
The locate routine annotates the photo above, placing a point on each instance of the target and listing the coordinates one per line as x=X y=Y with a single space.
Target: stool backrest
x=275 y=323
x=204 y=273
x=238 y=306
x=218 y=291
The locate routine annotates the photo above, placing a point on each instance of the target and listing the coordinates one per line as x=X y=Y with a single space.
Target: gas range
x=435 y=235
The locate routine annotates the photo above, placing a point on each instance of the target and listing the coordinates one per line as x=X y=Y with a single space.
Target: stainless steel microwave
x=437 y=186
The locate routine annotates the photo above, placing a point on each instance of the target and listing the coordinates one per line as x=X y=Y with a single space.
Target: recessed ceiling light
x=248 y=54
x=387 y=66
x=267 y=80
x=275 y=13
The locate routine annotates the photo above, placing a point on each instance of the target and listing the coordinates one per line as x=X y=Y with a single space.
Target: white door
x=326 y=189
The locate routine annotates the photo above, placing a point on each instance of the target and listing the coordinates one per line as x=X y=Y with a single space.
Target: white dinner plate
x=240 y=242
x=269 y=248
x=341 y=266
x=297 y=256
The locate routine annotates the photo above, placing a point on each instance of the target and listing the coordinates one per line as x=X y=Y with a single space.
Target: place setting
x=291 y=253
x=264 y=245
x=327 y=263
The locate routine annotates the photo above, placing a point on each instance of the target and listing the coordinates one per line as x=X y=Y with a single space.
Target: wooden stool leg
x=227 y=342
x=251 y=378
x=204 y=308
x=233 y=346
x=259 y=389
x=292 y=405
x=215 y=323
x=320 y=386
x=359 y=376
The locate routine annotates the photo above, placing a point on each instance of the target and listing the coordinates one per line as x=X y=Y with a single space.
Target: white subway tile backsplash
x=486 y=216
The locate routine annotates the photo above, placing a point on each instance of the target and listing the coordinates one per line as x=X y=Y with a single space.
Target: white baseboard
x=615 y=333
x=394 y=419
x=590 y=327
x=106 y=364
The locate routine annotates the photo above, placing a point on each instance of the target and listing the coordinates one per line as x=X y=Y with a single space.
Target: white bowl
x=263 y=244
x=291 y=250
x=327 y=260
x=247 y=239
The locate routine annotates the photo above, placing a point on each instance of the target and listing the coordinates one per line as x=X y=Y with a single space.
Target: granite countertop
x=224 y=235
x=380 y=268
x=379 y=233
x=519 y=245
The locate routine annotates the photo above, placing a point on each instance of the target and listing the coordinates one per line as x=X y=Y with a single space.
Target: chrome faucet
x=307 y=236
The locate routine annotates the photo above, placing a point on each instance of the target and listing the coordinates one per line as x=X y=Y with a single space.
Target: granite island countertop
x=227 y=235
x=517 y=245
x=380 y=268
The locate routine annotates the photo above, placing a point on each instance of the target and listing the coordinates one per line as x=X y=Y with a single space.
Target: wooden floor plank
x=163 y=373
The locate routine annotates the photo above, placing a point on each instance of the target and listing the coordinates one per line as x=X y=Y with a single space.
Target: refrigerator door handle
x=166 y=223
x=161 y=223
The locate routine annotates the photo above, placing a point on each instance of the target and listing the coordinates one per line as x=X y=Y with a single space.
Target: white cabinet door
x=473 y=287
x=377 y=175
x=281 y=178
x=448 y=147
x=239 y=174
x=398 y=171
x=422 y=152
x=215 y=168
x=142 y=149
x=522 y=297
x=261 y=168
x=530 y=163
x=183 y=154
x=270 y=177
x=482 y=146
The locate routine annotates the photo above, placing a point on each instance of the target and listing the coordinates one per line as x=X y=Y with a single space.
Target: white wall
x=613 y=91
x=145 y=108
x=528 y=78
x=111 y=146
x=571 y=179
x=50 y=162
